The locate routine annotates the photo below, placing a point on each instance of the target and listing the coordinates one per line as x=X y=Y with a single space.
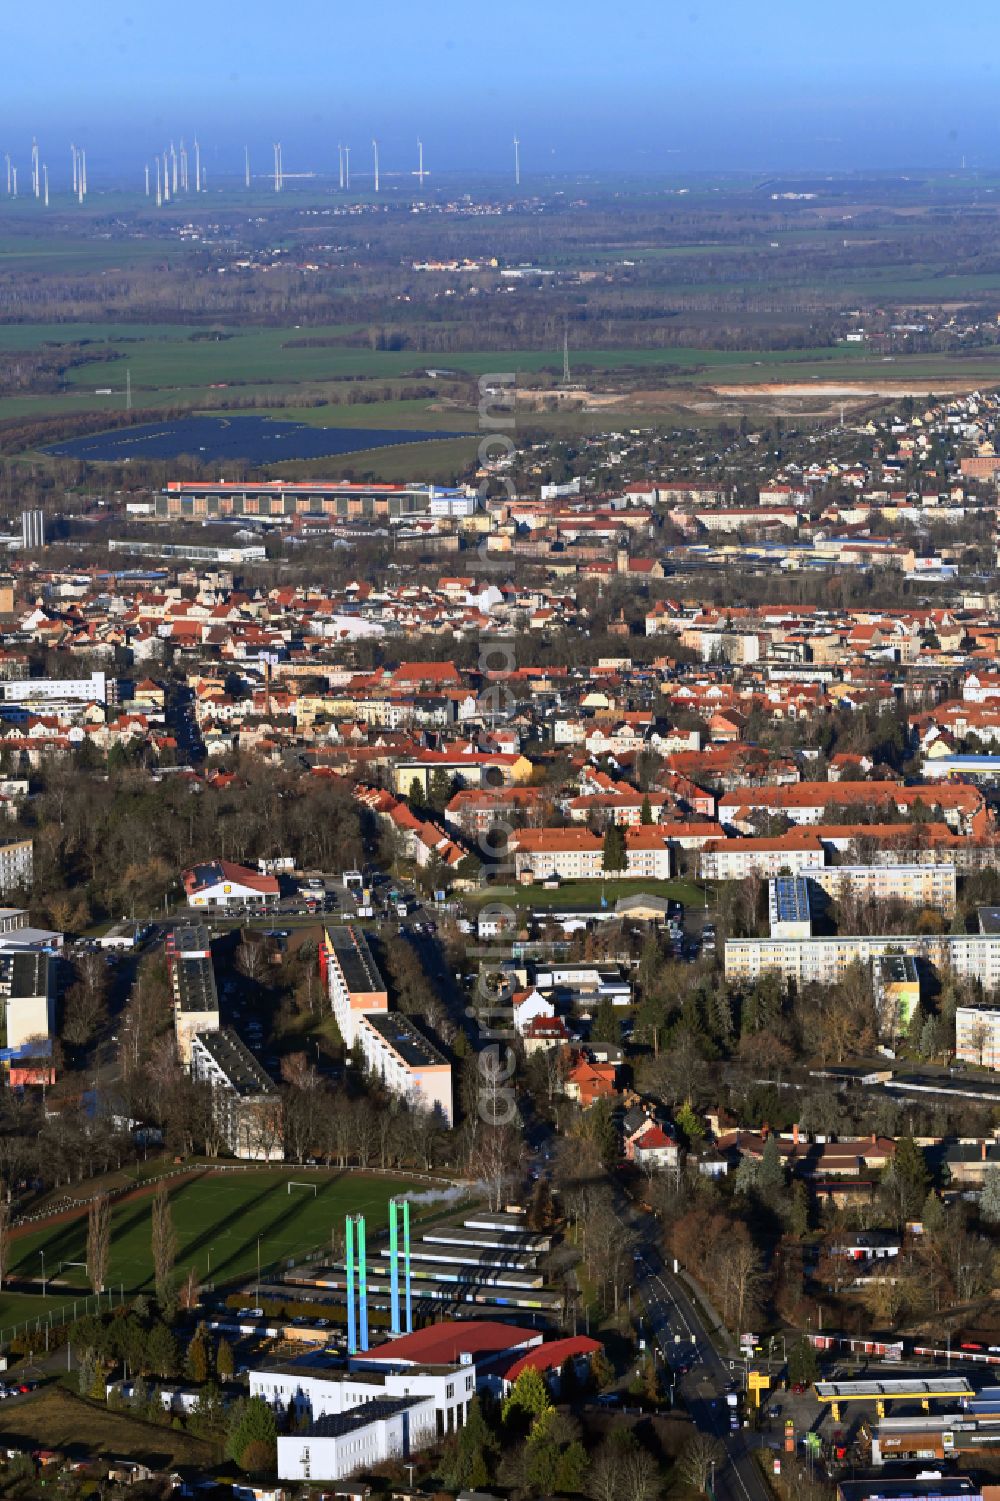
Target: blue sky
x=679 y=85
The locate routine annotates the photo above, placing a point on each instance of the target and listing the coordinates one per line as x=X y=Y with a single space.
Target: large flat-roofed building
x=353 y=982
x=311 y=1389
x=88 y=690
x=406 y=1061
x=823 y=961
x=283 y=500
x=788 y=907
x=933 y=886
x=27 y=998
x=237 y=555
x=735 y=859
x=192 y=980
x=340 y=1444
x=246 y=1105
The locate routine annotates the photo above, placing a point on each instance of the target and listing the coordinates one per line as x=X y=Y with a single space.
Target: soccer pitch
x=219 y=1218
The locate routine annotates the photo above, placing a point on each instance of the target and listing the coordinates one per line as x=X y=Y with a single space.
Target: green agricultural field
x=440 y=461
x=219 y=1219
x=34 y=335
x=412 y=412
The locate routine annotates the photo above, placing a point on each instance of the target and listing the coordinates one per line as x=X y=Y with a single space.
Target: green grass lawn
x=218 y=1219
x=572 y=896
x=408 y=413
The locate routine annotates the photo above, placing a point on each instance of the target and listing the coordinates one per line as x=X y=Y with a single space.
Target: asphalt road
x=669 y=1313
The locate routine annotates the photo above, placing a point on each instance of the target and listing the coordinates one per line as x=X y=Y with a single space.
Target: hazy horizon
x=701 y=89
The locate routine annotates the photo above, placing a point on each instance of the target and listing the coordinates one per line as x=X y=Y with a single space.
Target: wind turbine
x=420 y=173
x=166 y=178
x=147 y=179
x=36 y=177
x=197 y=166
x=347 y=168
x=159 y=191
x=173 y=170
x=246 y=164
x=82 y=184
x=340 y=157
x=72 y=150
x=517 y=162
x=375 y=150
x=184 y=166
x=45 y=179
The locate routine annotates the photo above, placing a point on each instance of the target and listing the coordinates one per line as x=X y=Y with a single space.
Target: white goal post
x=292 y=1184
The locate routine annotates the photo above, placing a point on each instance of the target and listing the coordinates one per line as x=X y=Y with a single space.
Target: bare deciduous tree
x=4 y=1238
x=698 y=1458
x=164 y=1244
x=98 y=1242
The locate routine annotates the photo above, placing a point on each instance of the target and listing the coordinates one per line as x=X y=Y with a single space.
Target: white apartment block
x=17 y=865
x=245 y=1103
x=353 y=982
x=917 y=885
x=735 y=859
x=408 y=1064
x=49 y=691
x=576 y=854
x=823 y=961
x=977 y=1035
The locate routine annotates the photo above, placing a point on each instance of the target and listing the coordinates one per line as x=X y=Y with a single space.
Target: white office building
x=341 y=1444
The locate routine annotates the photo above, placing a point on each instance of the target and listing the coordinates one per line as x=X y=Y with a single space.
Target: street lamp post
x=42 y=1255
